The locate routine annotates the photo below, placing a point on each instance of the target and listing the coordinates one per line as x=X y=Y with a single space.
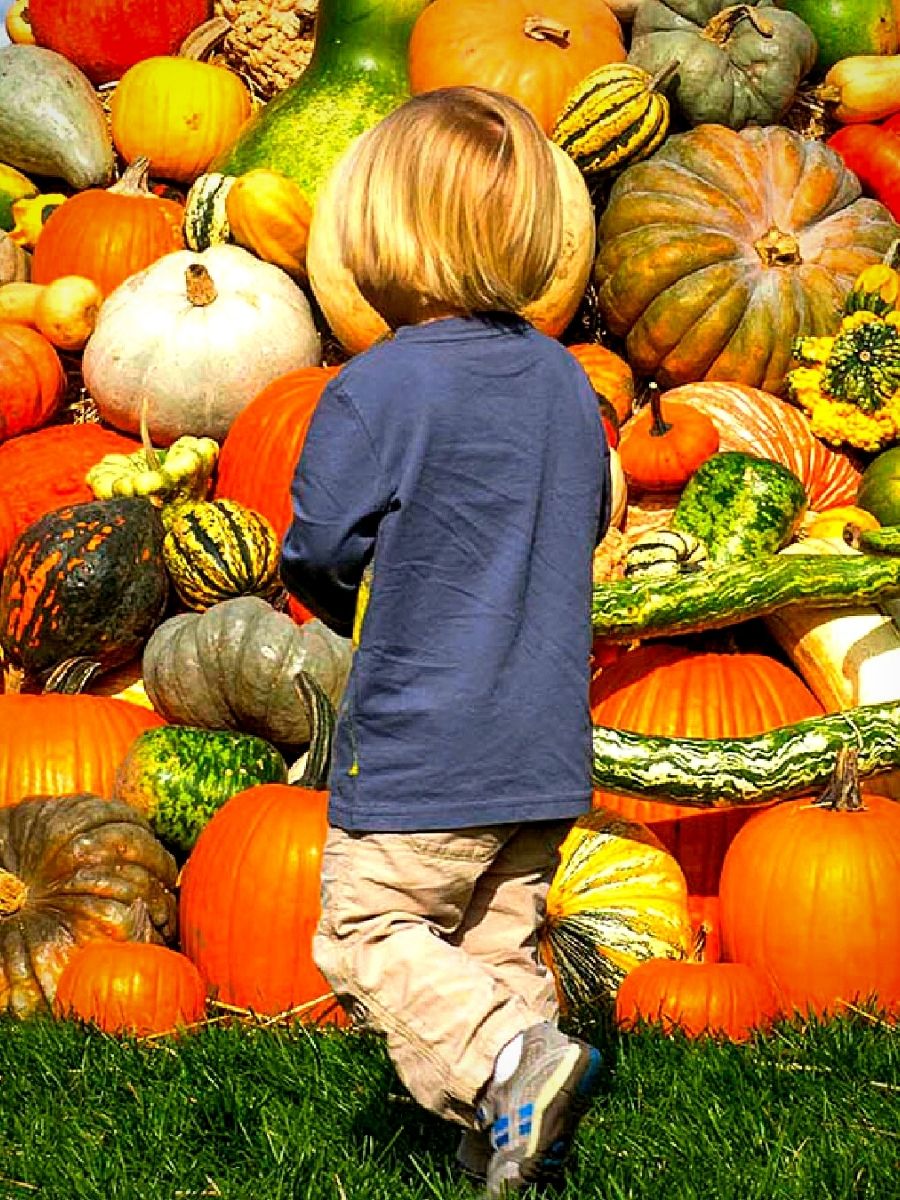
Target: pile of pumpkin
x=727 y=281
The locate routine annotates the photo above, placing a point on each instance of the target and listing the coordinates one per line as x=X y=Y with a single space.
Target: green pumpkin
x=357 y=74
x=738 y=64
x=879 y=488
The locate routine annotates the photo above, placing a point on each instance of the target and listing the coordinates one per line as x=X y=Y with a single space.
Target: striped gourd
x=726 y=595
x=205 y=217
x=724 y=772
x=615 y=116
x=217 y=550
x=617 y=898
x=665 y=552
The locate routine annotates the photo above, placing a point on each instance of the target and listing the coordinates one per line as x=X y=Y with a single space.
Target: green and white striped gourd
x=205 y=217
x=665 y=552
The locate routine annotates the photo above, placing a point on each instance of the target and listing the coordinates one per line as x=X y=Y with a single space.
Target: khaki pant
x=431 y=939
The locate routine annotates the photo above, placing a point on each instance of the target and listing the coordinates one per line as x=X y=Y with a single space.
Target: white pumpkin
x=196 y=337
x=357 y=325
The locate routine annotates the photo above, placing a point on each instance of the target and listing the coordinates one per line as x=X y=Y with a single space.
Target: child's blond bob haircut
x=450 y=205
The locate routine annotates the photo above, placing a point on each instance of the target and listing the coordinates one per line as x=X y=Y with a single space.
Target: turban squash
x=720 y=249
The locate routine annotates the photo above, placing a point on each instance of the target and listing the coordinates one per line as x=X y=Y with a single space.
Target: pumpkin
x=269 y=214
x=116 y=34
x=738 y=64
x=224 y=325
x=678 y=690
x=727 y=1000
x=823 y=918
x=108 y=234
x=53 y=744
x=83 y=581
x=234 y=666
x=617 y=898
x=74 y=869
x=218 y=549
x=610 y=375
x=660 y=449
x=537 y=55
x=755 y=422
x=178 y=110
x=712 y=260
x=357 y=325
x=32 y=380
x=46 y=469
x=262 y=449
x=137 y=988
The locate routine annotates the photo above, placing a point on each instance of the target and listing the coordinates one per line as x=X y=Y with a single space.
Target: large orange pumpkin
x=258 y=457
x=32 y=380
x=250 y=902
x=107 y=234
x=679 y=691
x=811 y=895
x=535 y=53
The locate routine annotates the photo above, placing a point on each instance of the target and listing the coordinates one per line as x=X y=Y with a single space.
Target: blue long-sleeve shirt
x=466 y=459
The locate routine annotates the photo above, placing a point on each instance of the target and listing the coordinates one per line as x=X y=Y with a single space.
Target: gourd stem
x=657 y=82
x=71 y=676
x=135 y=179
x=658 y=427
x=321 y=728
x=545 y=29
x=201 y=42
x=201 y=290
x=13 y=893
x=842 y=792
x=154 y=462
x=777 y=249
x=720 y=27
x=698 y=949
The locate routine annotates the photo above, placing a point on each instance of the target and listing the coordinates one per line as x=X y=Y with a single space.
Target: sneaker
x=532 y=1117
x=474 y=1153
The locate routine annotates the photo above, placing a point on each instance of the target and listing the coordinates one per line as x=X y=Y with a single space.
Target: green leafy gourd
x=178 y=776
x=357 y=74
x=740 y=506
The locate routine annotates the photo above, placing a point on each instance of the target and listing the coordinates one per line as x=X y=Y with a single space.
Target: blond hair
x=451 y=204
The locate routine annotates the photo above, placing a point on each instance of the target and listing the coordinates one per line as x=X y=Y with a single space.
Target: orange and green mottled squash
x=723 y=247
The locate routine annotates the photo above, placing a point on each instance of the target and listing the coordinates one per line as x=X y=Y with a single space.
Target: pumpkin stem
x=71 y=676
x=698 y=949
x=658 y=427
x=200 y=288
x=201 y=42
x=720 y=27
x=842 y=792
x=13 y=679
x=154 y=462
x=545 y=29
x=657 y=82
x=13 y=893
x=321 y=728
x=777 y=249
x=135 y=179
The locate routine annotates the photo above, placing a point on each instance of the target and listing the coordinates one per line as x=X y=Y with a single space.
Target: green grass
x=255 y=1113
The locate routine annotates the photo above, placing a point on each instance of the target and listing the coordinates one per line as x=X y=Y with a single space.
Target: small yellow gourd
x=269 y=214
x=867 y=87
x=66 y=311
x=18 y=301
x=30 y=214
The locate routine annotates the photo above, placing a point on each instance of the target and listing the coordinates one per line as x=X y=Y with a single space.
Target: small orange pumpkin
x=660 y=450
x=610 y=376
x=107 y=234
x=32 y=380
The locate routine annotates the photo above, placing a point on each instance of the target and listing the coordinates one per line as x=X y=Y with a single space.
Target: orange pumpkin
x=610 y=376
x=107 y=234
x=661 y=448
x=534 y=53
x=137 y=988
x=680 y=691
x=810 y=894
x=32 y=380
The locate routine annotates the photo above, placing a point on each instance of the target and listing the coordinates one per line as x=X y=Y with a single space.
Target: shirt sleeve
x=338 y=497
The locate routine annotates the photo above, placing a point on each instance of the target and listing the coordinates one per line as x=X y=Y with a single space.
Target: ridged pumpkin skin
x=32 y=380
x=610 y=375
x=811 y=895
x=725 y=1000
x=676 y=691
x=107 y=39
x=54 y=744
x=108 y=234
x=252 y=941
x=136 y=988
x=179 y=113
x=617 y=898
x=720 y=249
x=74 y=869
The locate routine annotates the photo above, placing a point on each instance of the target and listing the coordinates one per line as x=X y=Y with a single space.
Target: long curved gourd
x=727 y=772
x=640 y=608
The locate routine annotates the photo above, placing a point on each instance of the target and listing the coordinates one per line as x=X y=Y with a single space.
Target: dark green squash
x=357 y=74
x=84 y=581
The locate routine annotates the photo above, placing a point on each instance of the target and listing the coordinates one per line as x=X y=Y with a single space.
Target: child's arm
x=339 y=496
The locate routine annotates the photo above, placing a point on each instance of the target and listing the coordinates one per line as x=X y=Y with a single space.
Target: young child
x=464 y=459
